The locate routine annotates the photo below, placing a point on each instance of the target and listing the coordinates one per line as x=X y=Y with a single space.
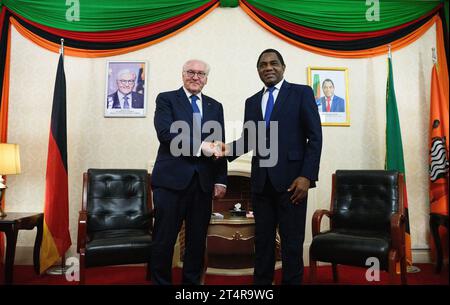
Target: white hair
x=207 y=68
x=126 y=71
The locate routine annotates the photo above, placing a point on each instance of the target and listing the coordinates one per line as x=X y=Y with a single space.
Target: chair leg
x=82 y=268
x=312 y=270
x=403 y=270
x=335 y=273
x=392 y=266
x=148 y=275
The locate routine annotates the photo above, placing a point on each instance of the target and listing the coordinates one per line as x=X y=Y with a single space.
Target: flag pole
x=59 y=270
x=61 y=49
x=434 y=55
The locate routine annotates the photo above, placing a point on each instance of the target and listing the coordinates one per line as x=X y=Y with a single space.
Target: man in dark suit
x=292 y=132
x=330 y=102
x=185 y=176
x=125 y=97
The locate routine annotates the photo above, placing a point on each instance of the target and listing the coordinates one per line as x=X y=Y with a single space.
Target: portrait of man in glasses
x=126 y=96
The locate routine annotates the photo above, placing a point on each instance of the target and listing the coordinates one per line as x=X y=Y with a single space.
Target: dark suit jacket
x=337 y=104
x=299 y=137
x=175 y=172
x=137 y=100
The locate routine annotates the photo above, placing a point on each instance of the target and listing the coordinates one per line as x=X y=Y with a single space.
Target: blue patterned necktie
x=126 y=105
x=269 y=106
x=196 y=111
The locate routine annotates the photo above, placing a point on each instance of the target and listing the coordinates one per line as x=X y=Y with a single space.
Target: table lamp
x=9 y=165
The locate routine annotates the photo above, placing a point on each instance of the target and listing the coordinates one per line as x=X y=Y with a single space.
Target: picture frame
x=126 y=89
x=330 y=86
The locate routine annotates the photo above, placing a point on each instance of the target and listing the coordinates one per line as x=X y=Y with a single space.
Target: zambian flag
x=394 y=149
x=56 y=238
x=316 y=86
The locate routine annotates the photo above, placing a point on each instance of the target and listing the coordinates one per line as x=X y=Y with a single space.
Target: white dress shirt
x=265 y=96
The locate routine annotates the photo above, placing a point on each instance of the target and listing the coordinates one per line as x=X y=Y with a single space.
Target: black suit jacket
x=175 y=172
x=299 y=138
x=137 y=100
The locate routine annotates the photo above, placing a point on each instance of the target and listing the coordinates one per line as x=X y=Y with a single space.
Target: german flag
x=56 y=238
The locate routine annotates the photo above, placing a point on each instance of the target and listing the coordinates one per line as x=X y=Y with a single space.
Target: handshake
x=216 y=149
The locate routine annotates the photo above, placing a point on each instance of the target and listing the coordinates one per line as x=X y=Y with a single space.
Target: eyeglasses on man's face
x=127 y=81
x=200 y=74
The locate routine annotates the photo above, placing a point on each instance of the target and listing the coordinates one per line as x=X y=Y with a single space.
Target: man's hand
x=208 y=149
x=299 y=188
x=219 y=191
x=222 y=149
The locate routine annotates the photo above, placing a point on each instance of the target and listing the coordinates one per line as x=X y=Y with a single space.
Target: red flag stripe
x=56 y=211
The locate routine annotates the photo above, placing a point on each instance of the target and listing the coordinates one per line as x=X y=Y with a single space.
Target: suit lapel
x=116 y=103
x=185 y=104
x=281 y=100
x=206 y=109
x=258 y=105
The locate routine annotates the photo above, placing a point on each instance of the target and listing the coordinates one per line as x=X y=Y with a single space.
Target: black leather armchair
x=366 y=220
x=115 y=222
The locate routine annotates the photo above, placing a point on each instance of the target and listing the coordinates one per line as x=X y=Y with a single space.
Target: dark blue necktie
x=269 y=106
x=197 y=114
x=194 y=105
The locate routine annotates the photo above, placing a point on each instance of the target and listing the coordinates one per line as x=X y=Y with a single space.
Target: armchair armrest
x=82 y=231
x=317 y=219
x=398 y=232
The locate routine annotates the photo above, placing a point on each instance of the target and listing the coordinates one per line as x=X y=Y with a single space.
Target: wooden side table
x=11 y=224
x=230 y=242
x=230 y=246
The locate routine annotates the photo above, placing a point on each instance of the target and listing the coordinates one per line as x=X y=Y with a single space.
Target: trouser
x=192 y=205
x=274 y=209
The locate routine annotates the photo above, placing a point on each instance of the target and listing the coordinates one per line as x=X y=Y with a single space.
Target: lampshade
x=9 y=159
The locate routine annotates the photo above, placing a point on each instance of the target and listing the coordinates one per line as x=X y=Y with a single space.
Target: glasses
x=126 y=81
x=199 y=74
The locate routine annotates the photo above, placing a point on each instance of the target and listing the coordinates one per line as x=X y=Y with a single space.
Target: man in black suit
x=284 y=118
x=185 y=176
x=125 y=97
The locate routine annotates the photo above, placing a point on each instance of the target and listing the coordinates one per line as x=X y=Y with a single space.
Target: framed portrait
x=330 y=86
x=126 y=89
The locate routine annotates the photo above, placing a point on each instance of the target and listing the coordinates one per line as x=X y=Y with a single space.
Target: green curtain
x=346 y=15
x=333 y=15
x=100 y=15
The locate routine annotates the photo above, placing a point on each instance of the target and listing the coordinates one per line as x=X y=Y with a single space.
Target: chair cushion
x=349 y=247
x=116 y=247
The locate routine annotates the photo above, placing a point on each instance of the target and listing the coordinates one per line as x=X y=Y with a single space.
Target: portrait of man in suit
x=125 y=89
x=330 y=102
x=125 y=97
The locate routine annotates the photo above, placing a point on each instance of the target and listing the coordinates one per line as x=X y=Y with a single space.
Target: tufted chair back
x=365 y=200
x=117 y=199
